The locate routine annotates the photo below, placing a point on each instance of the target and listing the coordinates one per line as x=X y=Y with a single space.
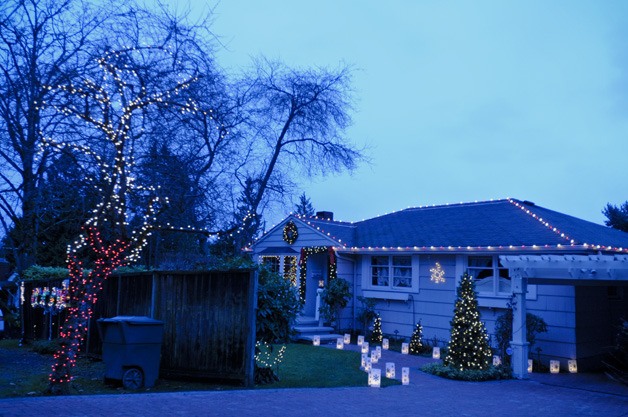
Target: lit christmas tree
x=416 y=346
x=468 y=344
x=377 y=336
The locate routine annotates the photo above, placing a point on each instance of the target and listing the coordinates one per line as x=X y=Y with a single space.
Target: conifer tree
x=377 y=335
x=416 y=346
x=468 y=344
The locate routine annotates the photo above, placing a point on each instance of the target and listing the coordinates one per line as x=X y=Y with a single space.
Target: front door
x=316 y=273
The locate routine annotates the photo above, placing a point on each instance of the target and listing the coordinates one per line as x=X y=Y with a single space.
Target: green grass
x=307 y=366
x=25 y=372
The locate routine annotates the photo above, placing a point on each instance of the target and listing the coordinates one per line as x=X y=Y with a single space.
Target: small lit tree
x=468 y=343
x=377 y=335
x=416 y=344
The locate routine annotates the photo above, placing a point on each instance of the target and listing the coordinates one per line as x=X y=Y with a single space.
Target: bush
x=43 y=273
x=489 y=374
x=335 y=297
x=46 y=347
x=367 y=314
x=503 y=330
x=277 y=307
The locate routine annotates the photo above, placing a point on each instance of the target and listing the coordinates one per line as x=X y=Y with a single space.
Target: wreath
x=290 y=232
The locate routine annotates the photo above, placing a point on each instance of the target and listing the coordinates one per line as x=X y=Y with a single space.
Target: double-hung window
x=391 y=272
x=491 y=278
x=286 y=265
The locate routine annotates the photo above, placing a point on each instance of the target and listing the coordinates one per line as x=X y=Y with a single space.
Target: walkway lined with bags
x=427 y=395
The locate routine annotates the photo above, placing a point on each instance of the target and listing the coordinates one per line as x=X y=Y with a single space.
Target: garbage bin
x=131 y=349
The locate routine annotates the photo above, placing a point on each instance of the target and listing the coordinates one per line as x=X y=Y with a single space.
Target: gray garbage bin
x=131 y=349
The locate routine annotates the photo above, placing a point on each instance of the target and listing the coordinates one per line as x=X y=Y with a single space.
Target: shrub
x=277 y=307
x=503 y=330
x=335 y=297
x=43 y=273
x=368 y=314
x=489 y=374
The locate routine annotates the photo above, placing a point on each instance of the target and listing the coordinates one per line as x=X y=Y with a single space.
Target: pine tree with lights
x=416 y=345
x=468 y=343
x=377 y=336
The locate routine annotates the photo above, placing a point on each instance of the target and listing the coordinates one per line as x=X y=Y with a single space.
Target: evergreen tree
x=468 y=344
x=617 y=216
x=304 y=207
x=377 y=335
x=416 y=346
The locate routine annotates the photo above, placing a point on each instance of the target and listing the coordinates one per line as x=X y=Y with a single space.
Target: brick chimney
x=328 y=215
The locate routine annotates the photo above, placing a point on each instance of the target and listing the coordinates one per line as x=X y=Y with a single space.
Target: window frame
x=393 y=268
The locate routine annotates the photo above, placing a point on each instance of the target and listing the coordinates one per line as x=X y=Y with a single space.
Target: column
x=519 y=343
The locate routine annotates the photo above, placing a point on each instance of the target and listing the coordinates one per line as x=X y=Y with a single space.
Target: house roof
x=488 y=224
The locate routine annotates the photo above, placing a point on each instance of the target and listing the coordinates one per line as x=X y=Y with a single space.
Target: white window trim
x=390 y=291
x=486 y=299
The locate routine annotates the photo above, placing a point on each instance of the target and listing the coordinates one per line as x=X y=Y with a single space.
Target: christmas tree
x=377 y=336
x=468 y=344
x=416 y=346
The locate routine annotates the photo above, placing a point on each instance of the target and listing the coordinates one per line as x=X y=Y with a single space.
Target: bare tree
x=297 y=121
x=134 y=80
x=42 y=43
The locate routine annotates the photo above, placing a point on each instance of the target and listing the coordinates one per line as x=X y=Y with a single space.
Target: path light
x=385 y=344
x=340 y=343
x=365 y=347
x=390 y=370
x=554 y=367
x=367 y=365
x=530 y=363
x=374 y=357
x=497 y=360
x=360 y=340
x=378 y=351
x=363 y=360
x=347 y=339
x=316 y=340
x=436 y=352
x=573 y=366
x=405 y=375
x=405 y=348
x=375 y=378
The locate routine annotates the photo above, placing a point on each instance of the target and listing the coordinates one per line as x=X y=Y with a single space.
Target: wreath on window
x=290 y=232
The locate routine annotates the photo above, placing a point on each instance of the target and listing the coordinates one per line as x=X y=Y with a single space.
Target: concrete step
x=306 y=321
x=325 y=338
x=313 y=329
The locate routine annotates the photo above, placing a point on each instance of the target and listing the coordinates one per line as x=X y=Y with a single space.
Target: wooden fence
x=209 y=319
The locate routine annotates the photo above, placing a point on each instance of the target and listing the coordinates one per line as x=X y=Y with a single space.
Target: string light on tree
x=468 y=343
x=377 y=335
x=416 y=342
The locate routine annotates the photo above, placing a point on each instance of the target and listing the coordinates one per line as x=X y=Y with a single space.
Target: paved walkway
x=427 y=395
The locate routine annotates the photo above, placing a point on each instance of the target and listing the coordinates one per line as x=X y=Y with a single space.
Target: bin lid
x=132 y=320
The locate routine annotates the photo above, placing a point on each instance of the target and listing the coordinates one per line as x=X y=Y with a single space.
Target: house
x=571 y=272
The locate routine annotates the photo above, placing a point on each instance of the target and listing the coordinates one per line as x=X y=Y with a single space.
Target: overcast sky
x=460 y=100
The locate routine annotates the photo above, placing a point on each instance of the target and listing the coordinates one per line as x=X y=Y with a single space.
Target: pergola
x=553 y=269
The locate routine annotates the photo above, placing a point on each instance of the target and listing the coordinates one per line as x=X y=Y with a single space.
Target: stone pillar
x=519 y=343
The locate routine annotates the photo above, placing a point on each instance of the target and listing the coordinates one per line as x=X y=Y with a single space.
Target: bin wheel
x=133 y=379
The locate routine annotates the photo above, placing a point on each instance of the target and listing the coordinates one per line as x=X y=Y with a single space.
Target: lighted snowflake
x=438 y=274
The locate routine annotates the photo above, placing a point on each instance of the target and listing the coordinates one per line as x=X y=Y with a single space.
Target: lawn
x=25 y=373
x=307 y=366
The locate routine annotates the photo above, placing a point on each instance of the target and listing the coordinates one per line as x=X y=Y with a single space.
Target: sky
x=459 y=101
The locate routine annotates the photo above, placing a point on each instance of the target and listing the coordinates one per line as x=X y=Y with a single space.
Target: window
x=290 y=269
x=272 y=262
x=286 y=266
x=391 y=272
x=489 y=274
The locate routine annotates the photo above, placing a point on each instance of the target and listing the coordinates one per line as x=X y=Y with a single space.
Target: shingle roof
x=491 y=223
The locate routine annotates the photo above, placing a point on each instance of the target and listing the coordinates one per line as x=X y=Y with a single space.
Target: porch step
x=325 y=338
x=312 y=330
x=306 y=321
